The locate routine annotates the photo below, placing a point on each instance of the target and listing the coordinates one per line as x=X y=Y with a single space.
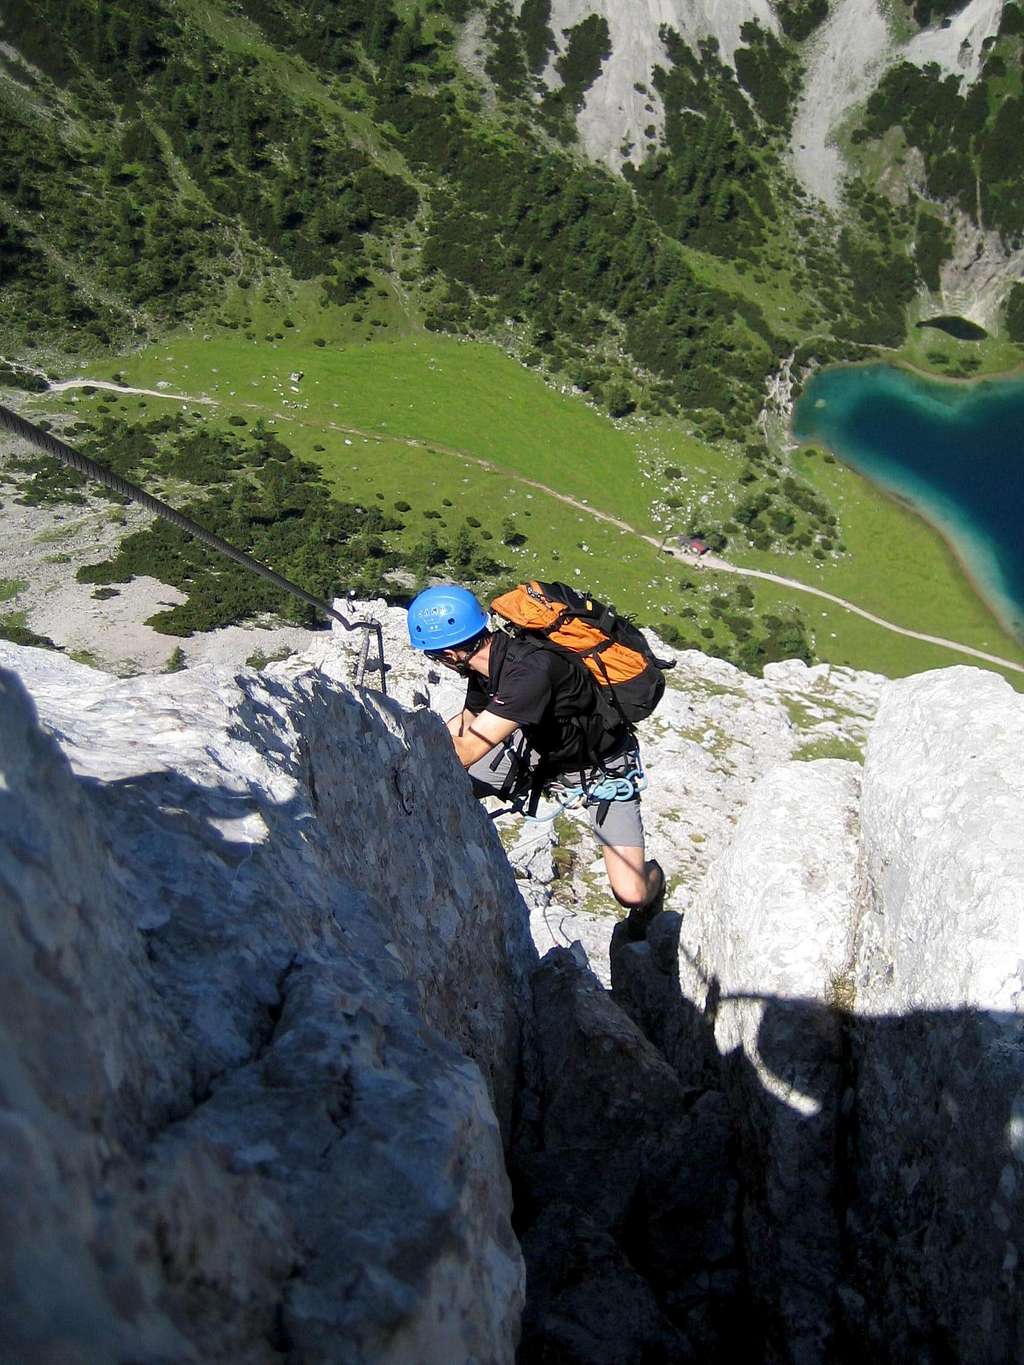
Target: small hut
x=693 y=545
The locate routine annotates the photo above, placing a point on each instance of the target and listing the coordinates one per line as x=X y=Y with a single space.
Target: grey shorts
x=621 y=824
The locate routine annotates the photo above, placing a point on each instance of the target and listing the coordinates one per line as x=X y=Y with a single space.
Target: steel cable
x=52 y=445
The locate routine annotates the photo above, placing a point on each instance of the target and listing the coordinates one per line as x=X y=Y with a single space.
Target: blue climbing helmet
x=445 y=616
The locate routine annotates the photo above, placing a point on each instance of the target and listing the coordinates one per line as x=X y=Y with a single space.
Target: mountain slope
x=230 y=147
x=256 y=174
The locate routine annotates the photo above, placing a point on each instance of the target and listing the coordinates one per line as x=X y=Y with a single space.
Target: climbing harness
x=523 y=787
x=602 y=794
x=36 y=436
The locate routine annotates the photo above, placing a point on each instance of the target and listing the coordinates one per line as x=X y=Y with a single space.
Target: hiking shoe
x=639 y=918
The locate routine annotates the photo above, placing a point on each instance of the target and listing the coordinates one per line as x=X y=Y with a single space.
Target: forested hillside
x=969 y=139
x=347 y=139
x=414 y=166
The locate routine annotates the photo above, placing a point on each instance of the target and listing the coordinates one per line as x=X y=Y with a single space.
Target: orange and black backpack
x=612 y=649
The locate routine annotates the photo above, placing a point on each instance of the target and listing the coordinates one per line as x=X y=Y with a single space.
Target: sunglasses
x=458 y=666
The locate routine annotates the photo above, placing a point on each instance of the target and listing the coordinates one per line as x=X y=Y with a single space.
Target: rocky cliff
x=842 y=61
x=849 y=976
x=278 y=1055
x=264 y=978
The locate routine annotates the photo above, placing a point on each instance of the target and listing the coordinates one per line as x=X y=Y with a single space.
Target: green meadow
x=896 y=566
x=935 y=353
x=467 y=397
x=459 y=430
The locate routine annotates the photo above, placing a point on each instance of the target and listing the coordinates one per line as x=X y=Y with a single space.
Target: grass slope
x=898 y=567
x=412 y=420
x=432 y=389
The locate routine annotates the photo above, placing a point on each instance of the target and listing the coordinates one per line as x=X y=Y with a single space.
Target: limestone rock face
x=938 y=1065
x=269 y=1006
x=849 y=976
x=624 y=1191
x=941 y=814
x=262 y=989
x=975 y=280
x=615 y=111
x=772 y=931
x=840 y=964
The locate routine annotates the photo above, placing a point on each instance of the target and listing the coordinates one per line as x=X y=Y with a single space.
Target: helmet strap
x=463 y=653
x=473 y=648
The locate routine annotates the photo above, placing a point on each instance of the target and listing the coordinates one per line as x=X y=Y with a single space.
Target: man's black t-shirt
x=551 y=697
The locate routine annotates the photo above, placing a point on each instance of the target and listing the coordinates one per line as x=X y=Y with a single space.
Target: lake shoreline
x=995 y=607
x=965 y=381
x=999 y=601
x=961 y=381
x=954 y=554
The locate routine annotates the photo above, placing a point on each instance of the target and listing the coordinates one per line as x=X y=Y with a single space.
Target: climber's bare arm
x=481 y=734
x=459 y=724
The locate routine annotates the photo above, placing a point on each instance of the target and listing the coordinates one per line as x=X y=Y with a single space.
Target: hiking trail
x=713 y=562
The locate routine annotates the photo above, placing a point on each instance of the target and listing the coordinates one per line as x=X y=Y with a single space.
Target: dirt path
x=712 y=562
x=59 y=385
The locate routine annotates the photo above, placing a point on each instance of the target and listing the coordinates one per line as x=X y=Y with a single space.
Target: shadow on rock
x=626 y=1202
x=877 y=1163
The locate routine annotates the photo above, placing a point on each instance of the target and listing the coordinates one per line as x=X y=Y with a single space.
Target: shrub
x=1015 y=314
x=11 y=629
x=510 y=534
x=618 y=400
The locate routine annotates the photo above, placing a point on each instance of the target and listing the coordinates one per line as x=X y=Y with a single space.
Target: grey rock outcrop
x=773 y=926
x=264 y=977
x=855 y=955
x=269 y=1006
x=937 y=1200
x=626 y=1200
x=623 y=100
x=943 y=828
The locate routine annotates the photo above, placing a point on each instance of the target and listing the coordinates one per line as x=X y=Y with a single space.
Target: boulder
x=936 y=1206
x=762 y=954
x=262 y=992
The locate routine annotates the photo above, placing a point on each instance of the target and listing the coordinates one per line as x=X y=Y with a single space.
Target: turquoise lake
x=954 y=452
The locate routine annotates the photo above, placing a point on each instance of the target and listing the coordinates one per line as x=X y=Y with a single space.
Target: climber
x=531 y=718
